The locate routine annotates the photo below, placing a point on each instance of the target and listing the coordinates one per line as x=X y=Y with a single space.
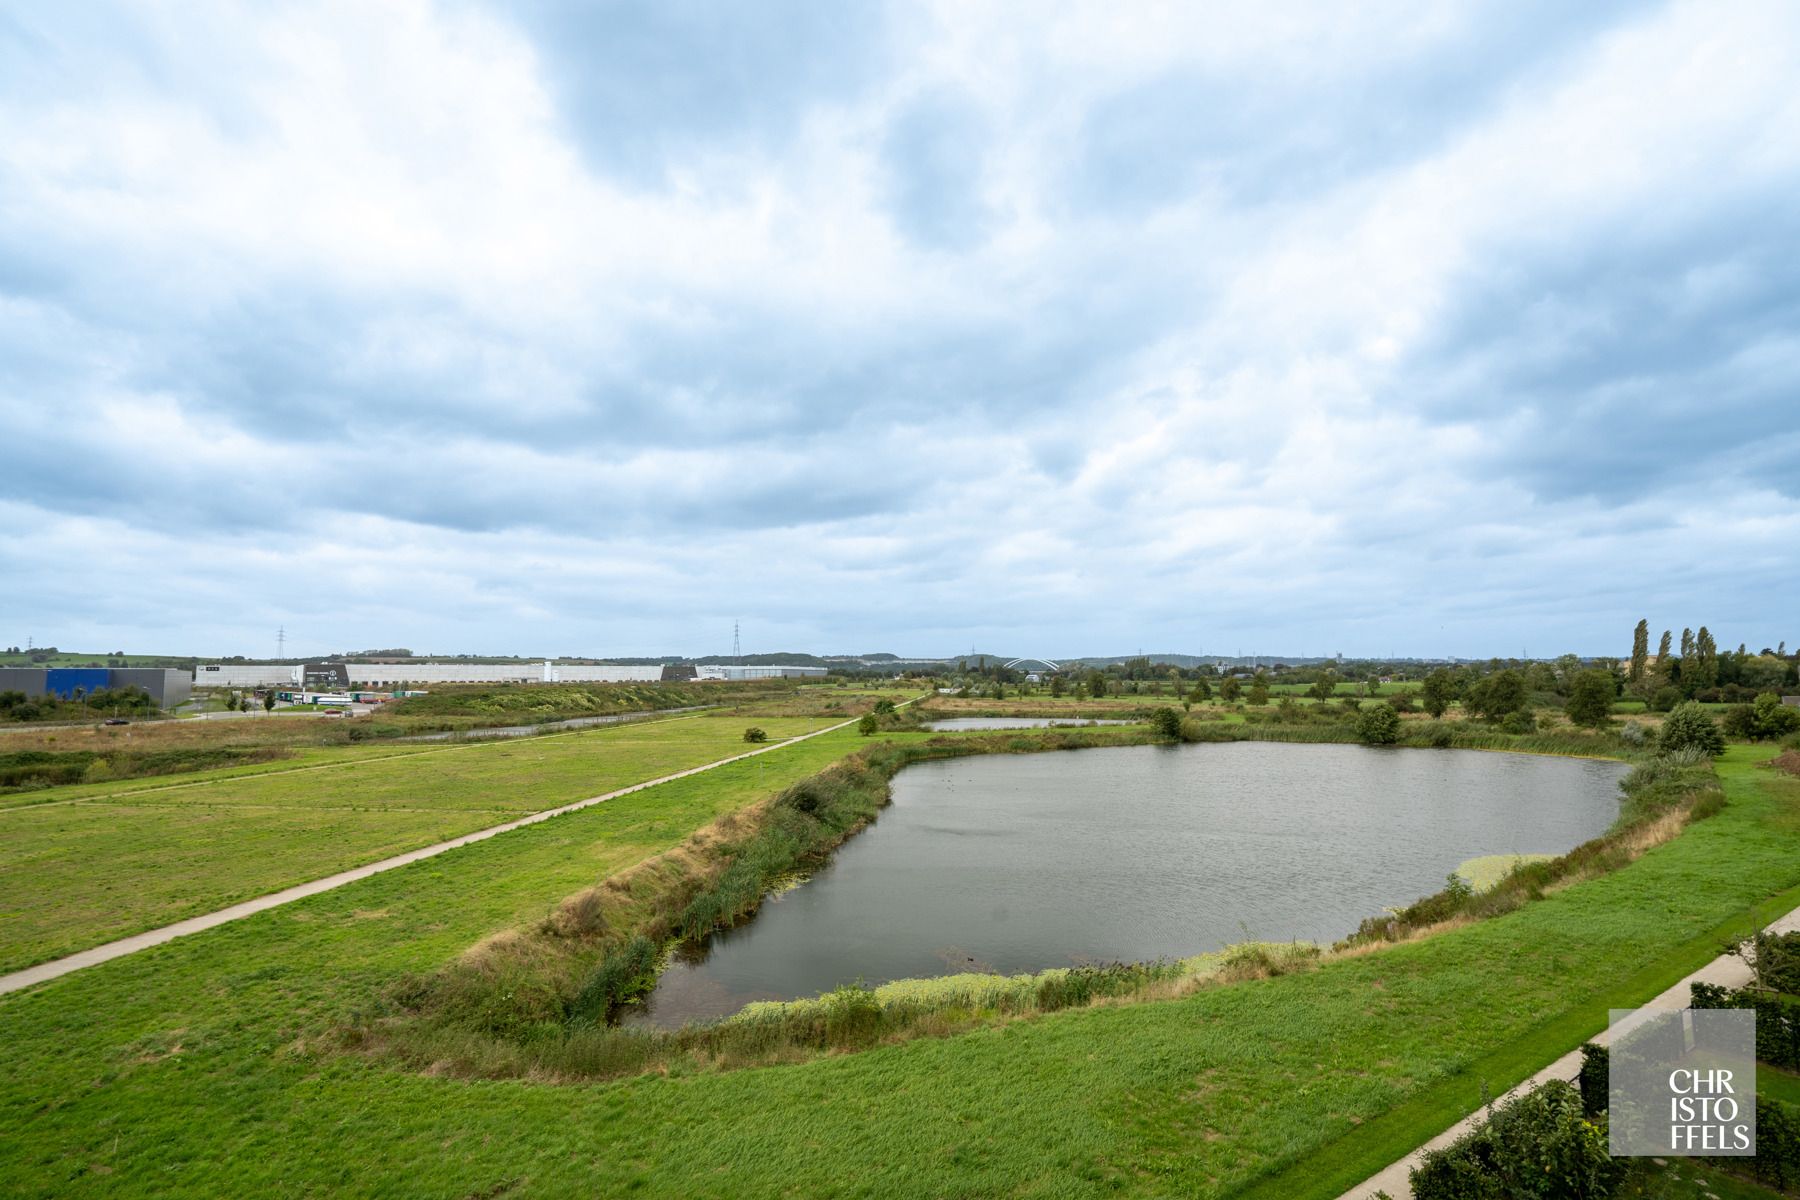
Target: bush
x=755 y=734
x=1498 y=694
x=1592 y=1080
x=868 y=725
x=1590 y=699
x=1167 y=723
x=1689 y=728
x=884 y=707
x=1777 y=1160
x=1519 y=721
x=1665 y=699
x=623 y=976
x=1539 y=1144
x=1777 y=1020
x=1767 y=717
x=1378 y=726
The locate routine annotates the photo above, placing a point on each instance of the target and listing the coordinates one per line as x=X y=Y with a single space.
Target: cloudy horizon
x=546 y=327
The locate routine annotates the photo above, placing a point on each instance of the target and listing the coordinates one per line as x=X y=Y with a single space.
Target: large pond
x=1020 y=862
x=956 y=724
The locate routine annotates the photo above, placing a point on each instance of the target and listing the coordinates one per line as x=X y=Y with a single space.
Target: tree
x=1705 y=671
x=269 y=700
x=1167 y=723
x=1437 y=692
x=1097 y=684
x=1202 y=691
x=1689 y=728
x=1372 y=685
x=1324 y=685
x=868 y=724
x=1378 y=725
x=1640 y=652
x=1494 y=696
x=1259 y=689
x=883 y=706
x=1663 y=663
x=1057 y=687
x=1768 y=717
x=1590 y=699
x=755 y=734
x=1230 y=689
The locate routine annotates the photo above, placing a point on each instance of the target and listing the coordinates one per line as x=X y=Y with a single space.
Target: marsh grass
x=1663 y=796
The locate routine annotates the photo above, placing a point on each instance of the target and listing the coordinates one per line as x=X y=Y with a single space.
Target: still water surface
x=1021 y=862
x=954 y=724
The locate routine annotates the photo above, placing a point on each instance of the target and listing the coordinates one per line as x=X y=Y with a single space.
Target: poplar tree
x=1706 y=661
x=1640 y=651
x=1662 y=656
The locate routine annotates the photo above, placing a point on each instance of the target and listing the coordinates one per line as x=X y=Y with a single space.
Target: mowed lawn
x=205 y=1067
x=117 y=860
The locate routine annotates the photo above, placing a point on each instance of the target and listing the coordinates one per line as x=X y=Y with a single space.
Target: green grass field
x=204 y=1066
x=85 y=864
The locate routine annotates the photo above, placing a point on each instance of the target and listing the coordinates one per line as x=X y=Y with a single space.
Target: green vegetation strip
x=78 y=875
x=196 y=1068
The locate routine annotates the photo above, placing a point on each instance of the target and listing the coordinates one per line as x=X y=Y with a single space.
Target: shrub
x=1518 y=721
x=884 y=707
x=1767 y=717
x=1167 y=723
x=1665 y=699
x=1539 y=1144
x=1777 y=1019
x=1689 y=728
x=1379 y=725
x=1590 y=699
x=1498 y=694
x=623 y=975
x=1592 y=1080
x=868 y=725
x=755 y=734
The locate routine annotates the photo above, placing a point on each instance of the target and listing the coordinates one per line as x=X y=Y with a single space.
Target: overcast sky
x=576 y=328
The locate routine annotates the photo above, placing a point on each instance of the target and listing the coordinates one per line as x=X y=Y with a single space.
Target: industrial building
x=343 y=675
x=167 y=687
x=759 y=671
x=346 y=675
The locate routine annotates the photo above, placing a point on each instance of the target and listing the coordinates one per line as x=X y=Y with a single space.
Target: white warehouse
x=230 y=675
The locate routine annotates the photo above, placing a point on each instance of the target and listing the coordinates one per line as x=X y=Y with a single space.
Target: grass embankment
x=527 y=703
x=186 y=1070
x=537 y=1001
x=112 y=861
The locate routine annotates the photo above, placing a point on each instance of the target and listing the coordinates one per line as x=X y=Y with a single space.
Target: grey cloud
x=1273 y=131
x=934 y=154
x=645 y=86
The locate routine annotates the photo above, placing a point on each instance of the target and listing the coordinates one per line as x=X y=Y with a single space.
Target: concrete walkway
x=156 y=937
x=1726 y=970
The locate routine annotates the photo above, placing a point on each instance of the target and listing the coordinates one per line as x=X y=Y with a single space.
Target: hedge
x=1777 y=1019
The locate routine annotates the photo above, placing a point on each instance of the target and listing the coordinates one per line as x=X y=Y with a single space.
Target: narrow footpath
x=1727 y=971
x=155 y=937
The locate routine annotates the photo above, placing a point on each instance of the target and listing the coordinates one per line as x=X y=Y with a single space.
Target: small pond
x=1016 y=863
x=953 y=724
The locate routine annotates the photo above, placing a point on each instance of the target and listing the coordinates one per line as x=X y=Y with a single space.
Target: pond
x=954 y=724
x=1017 y=863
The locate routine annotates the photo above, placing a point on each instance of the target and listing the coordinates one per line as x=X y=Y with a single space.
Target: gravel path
x=156 y=937
x=1726 y=970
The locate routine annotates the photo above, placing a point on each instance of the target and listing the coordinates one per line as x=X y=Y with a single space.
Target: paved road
x=1726 y=970
x=156 y=937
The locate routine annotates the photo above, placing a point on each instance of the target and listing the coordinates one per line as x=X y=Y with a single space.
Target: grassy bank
x=84 y=865
x=194 y=1069
x=538 y=1001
